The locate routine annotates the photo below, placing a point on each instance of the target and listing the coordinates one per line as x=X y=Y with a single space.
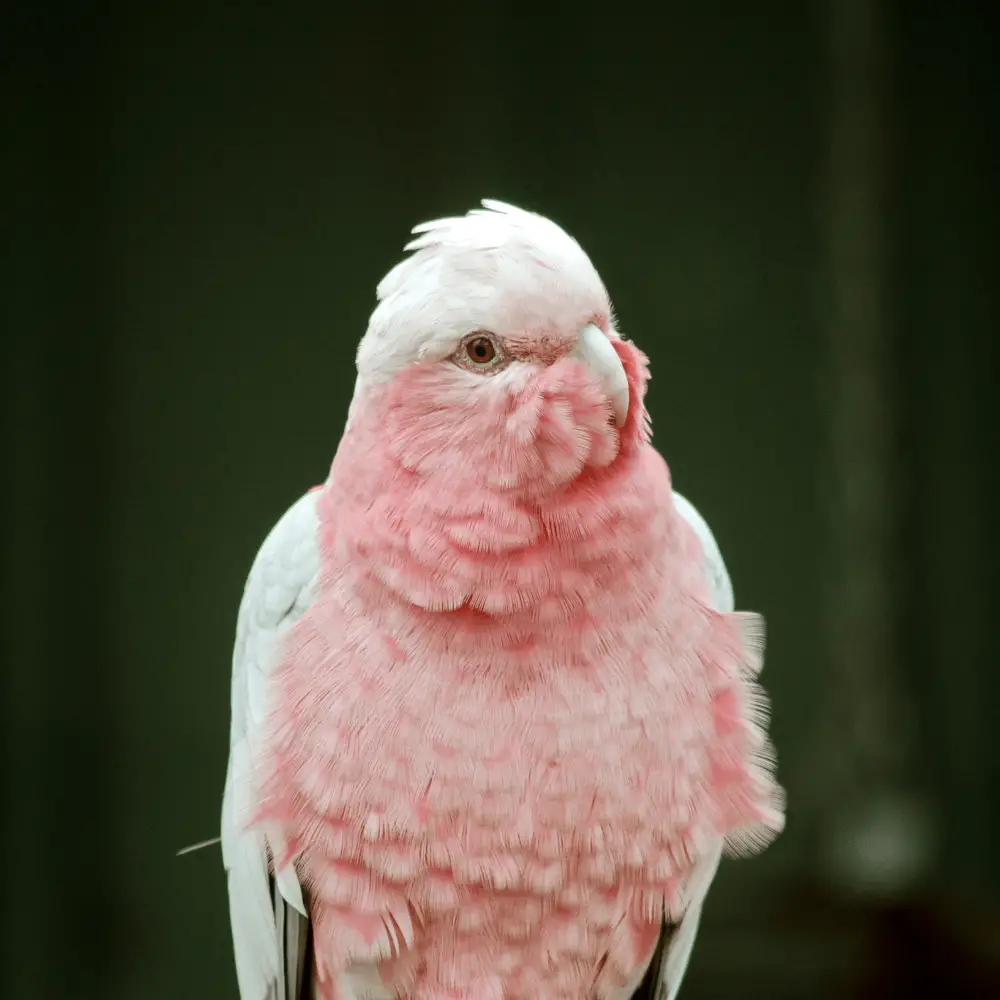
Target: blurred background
x=793 y=207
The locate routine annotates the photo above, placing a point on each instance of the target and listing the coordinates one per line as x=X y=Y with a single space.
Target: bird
x=495 y=719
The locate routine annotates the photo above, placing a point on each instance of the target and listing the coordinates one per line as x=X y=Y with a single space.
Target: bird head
x=493 y=351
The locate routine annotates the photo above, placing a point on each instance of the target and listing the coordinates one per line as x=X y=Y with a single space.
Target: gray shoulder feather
x=680 y=945
x=268 y=916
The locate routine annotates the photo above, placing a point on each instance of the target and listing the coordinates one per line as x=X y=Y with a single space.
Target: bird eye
x=480 y=350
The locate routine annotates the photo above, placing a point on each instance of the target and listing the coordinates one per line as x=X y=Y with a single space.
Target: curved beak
x=594 y=349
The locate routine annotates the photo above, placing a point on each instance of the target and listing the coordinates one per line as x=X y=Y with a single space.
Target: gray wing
x=719 y=584
x=670 y=962
x=268 y=917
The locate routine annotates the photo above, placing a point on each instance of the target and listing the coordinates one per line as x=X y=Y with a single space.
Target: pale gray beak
x=594 y=349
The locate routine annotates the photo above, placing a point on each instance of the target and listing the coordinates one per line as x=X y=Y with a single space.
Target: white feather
x=270 y=932
x=280 y=587
x=498 y=268
x=682 y=943
x=719 y=584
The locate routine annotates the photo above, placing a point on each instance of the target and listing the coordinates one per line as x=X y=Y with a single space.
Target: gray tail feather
x=651 y=987
x=296 y=947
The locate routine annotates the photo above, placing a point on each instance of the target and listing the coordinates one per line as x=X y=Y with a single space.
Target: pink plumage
x=510 y=724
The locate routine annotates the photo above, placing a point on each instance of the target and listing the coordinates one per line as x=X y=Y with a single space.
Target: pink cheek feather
x=531 y=429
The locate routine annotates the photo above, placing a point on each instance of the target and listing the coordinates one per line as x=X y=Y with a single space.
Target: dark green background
x=200 y=199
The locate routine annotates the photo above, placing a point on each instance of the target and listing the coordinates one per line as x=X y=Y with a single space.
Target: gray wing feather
x=719 y=584
x=268 y=915
x=677 y=953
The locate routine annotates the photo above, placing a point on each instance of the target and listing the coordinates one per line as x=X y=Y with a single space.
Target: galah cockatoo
x=494 y=718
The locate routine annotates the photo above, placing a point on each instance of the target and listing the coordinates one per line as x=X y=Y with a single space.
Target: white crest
x=498 y=268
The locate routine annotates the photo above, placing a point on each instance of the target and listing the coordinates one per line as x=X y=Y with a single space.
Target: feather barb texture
x=510 y=723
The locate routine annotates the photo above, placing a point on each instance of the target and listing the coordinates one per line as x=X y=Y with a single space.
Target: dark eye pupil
x=481 y=350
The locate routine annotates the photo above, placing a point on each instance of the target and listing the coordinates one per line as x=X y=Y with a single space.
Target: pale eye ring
x=480 y=351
